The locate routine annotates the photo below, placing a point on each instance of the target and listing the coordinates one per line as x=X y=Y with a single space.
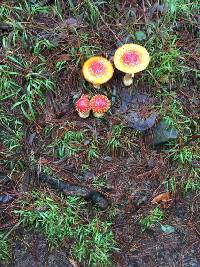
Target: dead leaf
x=164 y=197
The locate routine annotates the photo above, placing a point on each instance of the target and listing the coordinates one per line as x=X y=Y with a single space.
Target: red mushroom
x=99 y=105
x=83 y=106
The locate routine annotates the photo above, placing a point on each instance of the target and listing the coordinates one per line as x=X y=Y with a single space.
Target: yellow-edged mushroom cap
x=131 y=58
x=97 y=70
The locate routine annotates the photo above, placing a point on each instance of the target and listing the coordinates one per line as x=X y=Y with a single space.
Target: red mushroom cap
x=83 y=104
x=100 y=103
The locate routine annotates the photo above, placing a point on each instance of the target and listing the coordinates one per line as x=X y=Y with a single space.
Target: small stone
x=108 y=158
x=164 y=133
x=141 y=124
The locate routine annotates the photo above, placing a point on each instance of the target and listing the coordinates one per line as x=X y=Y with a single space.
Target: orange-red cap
x=100 y=103
x=83 y=104
x=97 y=70
x=131 y=58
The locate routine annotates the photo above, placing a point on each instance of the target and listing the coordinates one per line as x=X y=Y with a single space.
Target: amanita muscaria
x=130 y=59
x=99 y=105
x=83 y=106
x=97 y=70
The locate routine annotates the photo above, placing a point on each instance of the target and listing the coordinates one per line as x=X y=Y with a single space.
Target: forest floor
x=140 y=162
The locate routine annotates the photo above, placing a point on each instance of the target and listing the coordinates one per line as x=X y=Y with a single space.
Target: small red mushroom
x=83 y=106
x=99 y=105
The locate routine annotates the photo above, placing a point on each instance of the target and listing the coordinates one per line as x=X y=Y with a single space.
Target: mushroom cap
x=97 y=70
x=83 y=104
x=99 y=103
x=131 y=58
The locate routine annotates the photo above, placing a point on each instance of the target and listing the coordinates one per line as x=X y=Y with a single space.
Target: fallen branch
x=95 y=197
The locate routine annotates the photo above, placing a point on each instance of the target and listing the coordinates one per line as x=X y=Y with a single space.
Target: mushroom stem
x=97 y=86
x=128 y=79
x=98 y=115
x=84 y=114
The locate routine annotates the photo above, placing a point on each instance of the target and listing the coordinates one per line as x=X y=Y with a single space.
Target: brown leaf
x=164 y=197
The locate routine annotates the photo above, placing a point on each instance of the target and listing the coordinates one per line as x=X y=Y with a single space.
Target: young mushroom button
x=97 y=70
x=99 y=105
x=83 y=106
x=130 y=59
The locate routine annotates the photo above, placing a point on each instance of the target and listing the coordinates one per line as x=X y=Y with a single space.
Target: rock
x=132 y=99
x=164 y=133
x=141 y=124
x=140 y=36
x=4 y=199
x=108 y=158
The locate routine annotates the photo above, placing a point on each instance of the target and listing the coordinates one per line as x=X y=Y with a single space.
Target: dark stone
x=108 y=158
x=132 y=99
x=31 y=138
x=4 y=199
x=164 y=133
x=141 y=124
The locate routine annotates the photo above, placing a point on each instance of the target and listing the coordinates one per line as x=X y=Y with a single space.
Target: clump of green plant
x=95 y=242
x=85 y=50
x=193 y=182
x=184 y=154
x=155 y=216
x=114 y=138
x=90 y=10
x=167 y=61
x=70 y=144
x=93 y=150
x=42 y=45
x=92 y=240
x=4 y=249
x=12 y=132
x=170 y=185
x=99 y=182
x=183 y=7
x=172 y=112
x=30 y=97
x=11 y=137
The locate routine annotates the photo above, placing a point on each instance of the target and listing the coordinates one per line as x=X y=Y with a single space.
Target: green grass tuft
x=92 y=240
x=4 y=249
x=155 y=216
